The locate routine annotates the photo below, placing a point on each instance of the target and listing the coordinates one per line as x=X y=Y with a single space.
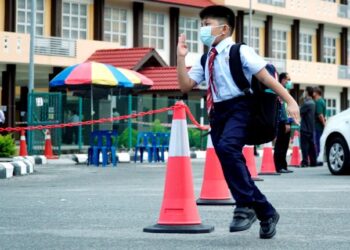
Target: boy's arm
x=185 y=82
x=270 y=82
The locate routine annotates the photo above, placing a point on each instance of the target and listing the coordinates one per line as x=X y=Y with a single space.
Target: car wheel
x=338 y=156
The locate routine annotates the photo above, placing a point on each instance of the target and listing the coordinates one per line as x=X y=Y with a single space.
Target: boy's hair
x=310 y=91
x=318 y=90
x=282 y=76
x=219 y=12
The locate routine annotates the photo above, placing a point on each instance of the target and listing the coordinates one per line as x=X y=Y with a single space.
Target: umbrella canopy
x=85 y=74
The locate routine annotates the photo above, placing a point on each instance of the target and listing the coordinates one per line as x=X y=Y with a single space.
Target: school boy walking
x=229 y=112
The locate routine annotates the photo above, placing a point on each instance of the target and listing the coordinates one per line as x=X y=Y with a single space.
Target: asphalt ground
x=66 y=206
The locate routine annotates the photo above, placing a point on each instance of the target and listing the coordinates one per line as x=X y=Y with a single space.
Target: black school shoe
x=268 y=227
x=243 y=218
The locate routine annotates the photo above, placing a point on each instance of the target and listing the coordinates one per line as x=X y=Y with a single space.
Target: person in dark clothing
x=230 y=110
x=283 y=132
x=320 y=116
x=307 y=128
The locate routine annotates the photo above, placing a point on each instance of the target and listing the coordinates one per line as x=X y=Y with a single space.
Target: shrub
x=158 y=127
x=123 y=139
x=195 y=138
x=7 y=146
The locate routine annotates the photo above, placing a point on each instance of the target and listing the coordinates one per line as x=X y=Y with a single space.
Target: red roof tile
x=121 y=57
x=197 y=3
x=164 y=78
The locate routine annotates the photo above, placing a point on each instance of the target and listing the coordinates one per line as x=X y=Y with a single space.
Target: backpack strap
x=237 y=70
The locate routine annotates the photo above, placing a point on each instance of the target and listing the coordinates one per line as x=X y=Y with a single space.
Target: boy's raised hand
x=182 y=46
x=293 y=111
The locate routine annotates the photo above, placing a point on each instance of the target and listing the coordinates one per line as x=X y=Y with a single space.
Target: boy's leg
x=228 y=131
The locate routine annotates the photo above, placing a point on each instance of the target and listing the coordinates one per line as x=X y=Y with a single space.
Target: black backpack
x=263 y=125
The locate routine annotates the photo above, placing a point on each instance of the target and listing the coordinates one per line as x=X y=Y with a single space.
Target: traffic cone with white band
x=248 y=153
x=179 y=213
x=295 y=160
x=23 y=144
x=267 y=163
x=48 y=146
x=214 y=187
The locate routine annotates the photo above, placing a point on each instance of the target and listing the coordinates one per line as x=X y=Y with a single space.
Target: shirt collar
x=223 y=44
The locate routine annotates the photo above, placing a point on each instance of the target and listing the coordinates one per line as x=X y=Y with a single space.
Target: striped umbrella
x=84 y=77
x=85 y=74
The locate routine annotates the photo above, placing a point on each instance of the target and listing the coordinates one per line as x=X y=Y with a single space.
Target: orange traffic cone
x=267 y=163
x=48 y=146
x=295 y=159
x=248 y=153
x=214 y=187
x=23 y=144
x=179 y=213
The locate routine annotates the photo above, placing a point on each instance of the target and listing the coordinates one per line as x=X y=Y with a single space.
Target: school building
x=308 y=39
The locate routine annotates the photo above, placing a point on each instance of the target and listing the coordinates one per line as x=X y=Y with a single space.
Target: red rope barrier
x=110 y=119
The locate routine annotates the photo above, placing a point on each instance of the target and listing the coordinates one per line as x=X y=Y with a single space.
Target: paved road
x=77 y=207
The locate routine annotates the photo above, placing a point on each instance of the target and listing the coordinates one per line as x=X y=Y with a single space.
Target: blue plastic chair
x=141 y=145
x=101 y=142
x=112 y=147
x=154 y=147
x=164 y=139
x=93 y=150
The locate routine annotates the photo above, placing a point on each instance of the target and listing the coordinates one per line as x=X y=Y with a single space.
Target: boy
x=229 y=110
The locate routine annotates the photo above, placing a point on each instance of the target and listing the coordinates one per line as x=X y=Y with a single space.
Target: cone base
x=257 y=179
x=52 y=157
x=212 y=202
x=267 y=173
x=179 y=229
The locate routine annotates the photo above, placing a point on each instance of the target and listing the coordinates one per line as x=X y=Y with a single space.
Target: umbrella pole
x=129 y=120
x=91 y=107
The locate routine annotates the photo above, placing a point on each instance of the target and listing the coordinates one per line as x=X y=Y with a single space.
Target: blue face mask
x=205 y=35
x=289 y=85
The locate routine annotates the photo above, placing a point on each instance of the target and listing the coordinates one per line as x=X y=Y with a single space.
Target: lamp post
x=250 y=24
x=31 y=70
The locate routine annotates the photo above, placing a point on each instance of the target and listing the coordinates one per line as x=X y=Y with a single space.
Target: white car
x=335 y=143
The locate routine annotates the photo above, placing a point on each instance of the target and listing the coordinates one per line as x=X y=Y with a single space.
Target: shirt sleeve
x=196 y=73
x=319 y=108
x=251 y=61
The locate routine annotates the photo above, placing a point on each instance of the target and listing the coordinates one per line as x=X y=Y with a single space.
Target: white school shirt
x=227 y=89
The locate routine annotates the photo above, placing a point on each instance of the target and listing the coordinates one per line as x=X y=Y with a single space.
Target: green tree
x=7 y=146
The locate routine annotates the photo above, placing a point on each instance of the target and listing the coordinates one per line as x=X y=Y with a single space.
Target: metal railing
x=279 y=3
x=280 y=64
x=343 y=72
x=343 y=11
x=55 y=46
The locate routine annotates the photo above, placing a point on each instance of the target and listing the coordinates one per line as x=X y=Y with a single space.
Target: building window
x=74 y=20
x=305 y=47
x=280 y=3
x=279 y=44
x=255 y=38
x=153 y=30
x=331 y=107
x=329 y=50
x=115 y=25
x=189 y=27
x=24 y=16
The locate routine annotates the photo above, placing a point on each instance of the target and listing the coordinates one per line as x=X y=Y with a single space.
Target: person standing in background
x=307 y=128
x=283 y=131
x=320 y=117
